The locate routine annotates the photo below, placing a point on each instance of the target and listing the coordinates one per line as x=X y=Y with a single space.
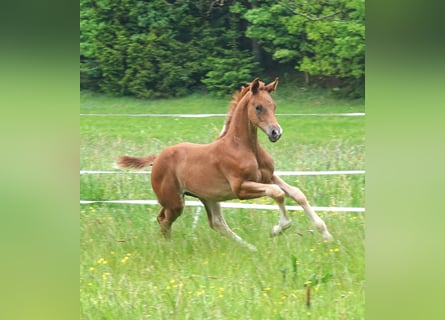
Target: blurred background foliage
x=160 y=48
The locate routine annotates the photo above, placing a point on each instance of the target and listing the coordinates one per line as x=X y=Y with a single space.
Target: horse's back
x=191 y=168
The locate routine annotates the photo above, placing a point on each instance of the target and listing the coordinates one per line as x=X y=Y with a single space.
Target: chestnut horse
x=234 y=166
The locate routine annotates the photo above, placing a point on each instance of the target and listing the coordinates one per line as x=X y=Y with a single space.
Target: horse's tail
x=135 y=162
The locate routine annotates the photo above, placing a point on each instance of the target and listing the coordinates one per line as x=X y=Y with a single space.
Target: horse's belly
x=209 y=187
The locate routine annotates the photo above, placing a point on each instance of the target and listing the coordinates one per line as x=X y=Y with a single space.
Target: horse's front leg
x=218 y=223
x=249 y=190
x=300 y=198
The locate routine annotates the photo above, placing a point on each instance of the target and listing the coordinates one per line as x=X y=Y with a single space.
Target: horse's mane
x=236 y=98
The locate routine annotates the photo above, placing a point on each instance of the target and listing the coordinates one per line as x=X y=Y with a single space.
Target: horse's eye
x=258 y=108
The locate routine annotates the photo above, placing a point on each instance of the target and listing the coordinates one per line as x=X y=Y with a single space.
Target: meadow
x=128 y=271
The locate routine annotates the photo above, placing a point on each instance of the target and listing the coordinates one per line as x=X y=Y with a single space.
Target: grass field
x=128 y=271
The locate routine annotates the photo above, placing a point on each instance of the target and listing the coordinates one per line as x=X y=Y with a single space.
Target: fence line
x=229 y=205
x=234 y=205
x=208 y=115
x=278 y=173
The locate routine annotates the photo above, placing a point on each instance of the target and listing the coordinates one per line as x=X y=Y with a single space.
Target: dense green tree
x=135 y=47
x=161 y=48
x=166 y=48
x=323 y=38
x=232 y=63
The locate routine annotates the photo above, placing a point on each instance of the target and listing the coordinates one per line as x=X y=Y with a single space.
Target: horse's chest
x=259 y=172
x=264 y=175
x=254 y=166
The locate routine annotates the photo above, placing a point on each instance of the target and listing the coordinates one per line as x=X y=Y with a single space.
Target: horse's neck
x=242 y=130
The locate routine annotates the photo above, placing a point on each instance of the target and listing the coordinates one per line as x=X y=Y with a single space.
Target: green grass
x=288 y=99
x=128 y=271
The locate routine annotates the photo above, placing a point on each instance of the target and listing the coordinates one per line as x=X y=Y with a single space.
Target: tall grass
x=290 y=99
x=128 y=271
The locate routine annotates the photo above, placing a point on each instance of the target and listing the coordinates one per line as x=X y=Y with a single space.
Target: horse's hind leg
x=300 y=198
x=218 y=223
x=169 y=196
x=166 y=217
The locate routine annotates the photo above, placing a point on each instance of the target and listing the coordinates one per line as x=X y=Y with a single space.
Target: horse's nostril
x=274 y=135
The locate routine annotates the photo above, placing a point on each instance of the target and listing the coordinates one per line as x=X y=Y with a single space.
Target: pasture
x=128 y=271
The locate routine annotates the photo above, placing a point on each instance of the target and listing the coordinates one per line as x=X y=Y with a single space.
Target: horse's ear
x=272 y=86
x=255 y=85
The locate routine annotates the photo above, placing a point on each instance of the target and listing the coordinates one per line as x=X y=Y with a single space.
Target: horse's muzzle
x=274 y=133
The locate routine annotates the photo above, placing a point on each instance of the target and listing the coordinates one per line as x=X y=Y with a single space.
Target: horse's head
x=261 y=109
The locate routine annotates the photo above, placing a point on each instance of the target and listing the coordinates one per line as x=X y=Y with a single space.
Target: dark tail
x=135 y=162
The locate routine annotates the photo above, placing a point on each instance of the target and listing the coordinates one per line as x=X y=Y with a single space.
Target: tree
x=321 y=38
x=164 y=48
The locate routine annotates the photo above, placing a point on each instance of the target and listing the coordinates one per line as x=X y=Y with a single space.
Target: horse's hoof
x=328 y=237
x=279 y=228
x=287 y=225
x=276 y=230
